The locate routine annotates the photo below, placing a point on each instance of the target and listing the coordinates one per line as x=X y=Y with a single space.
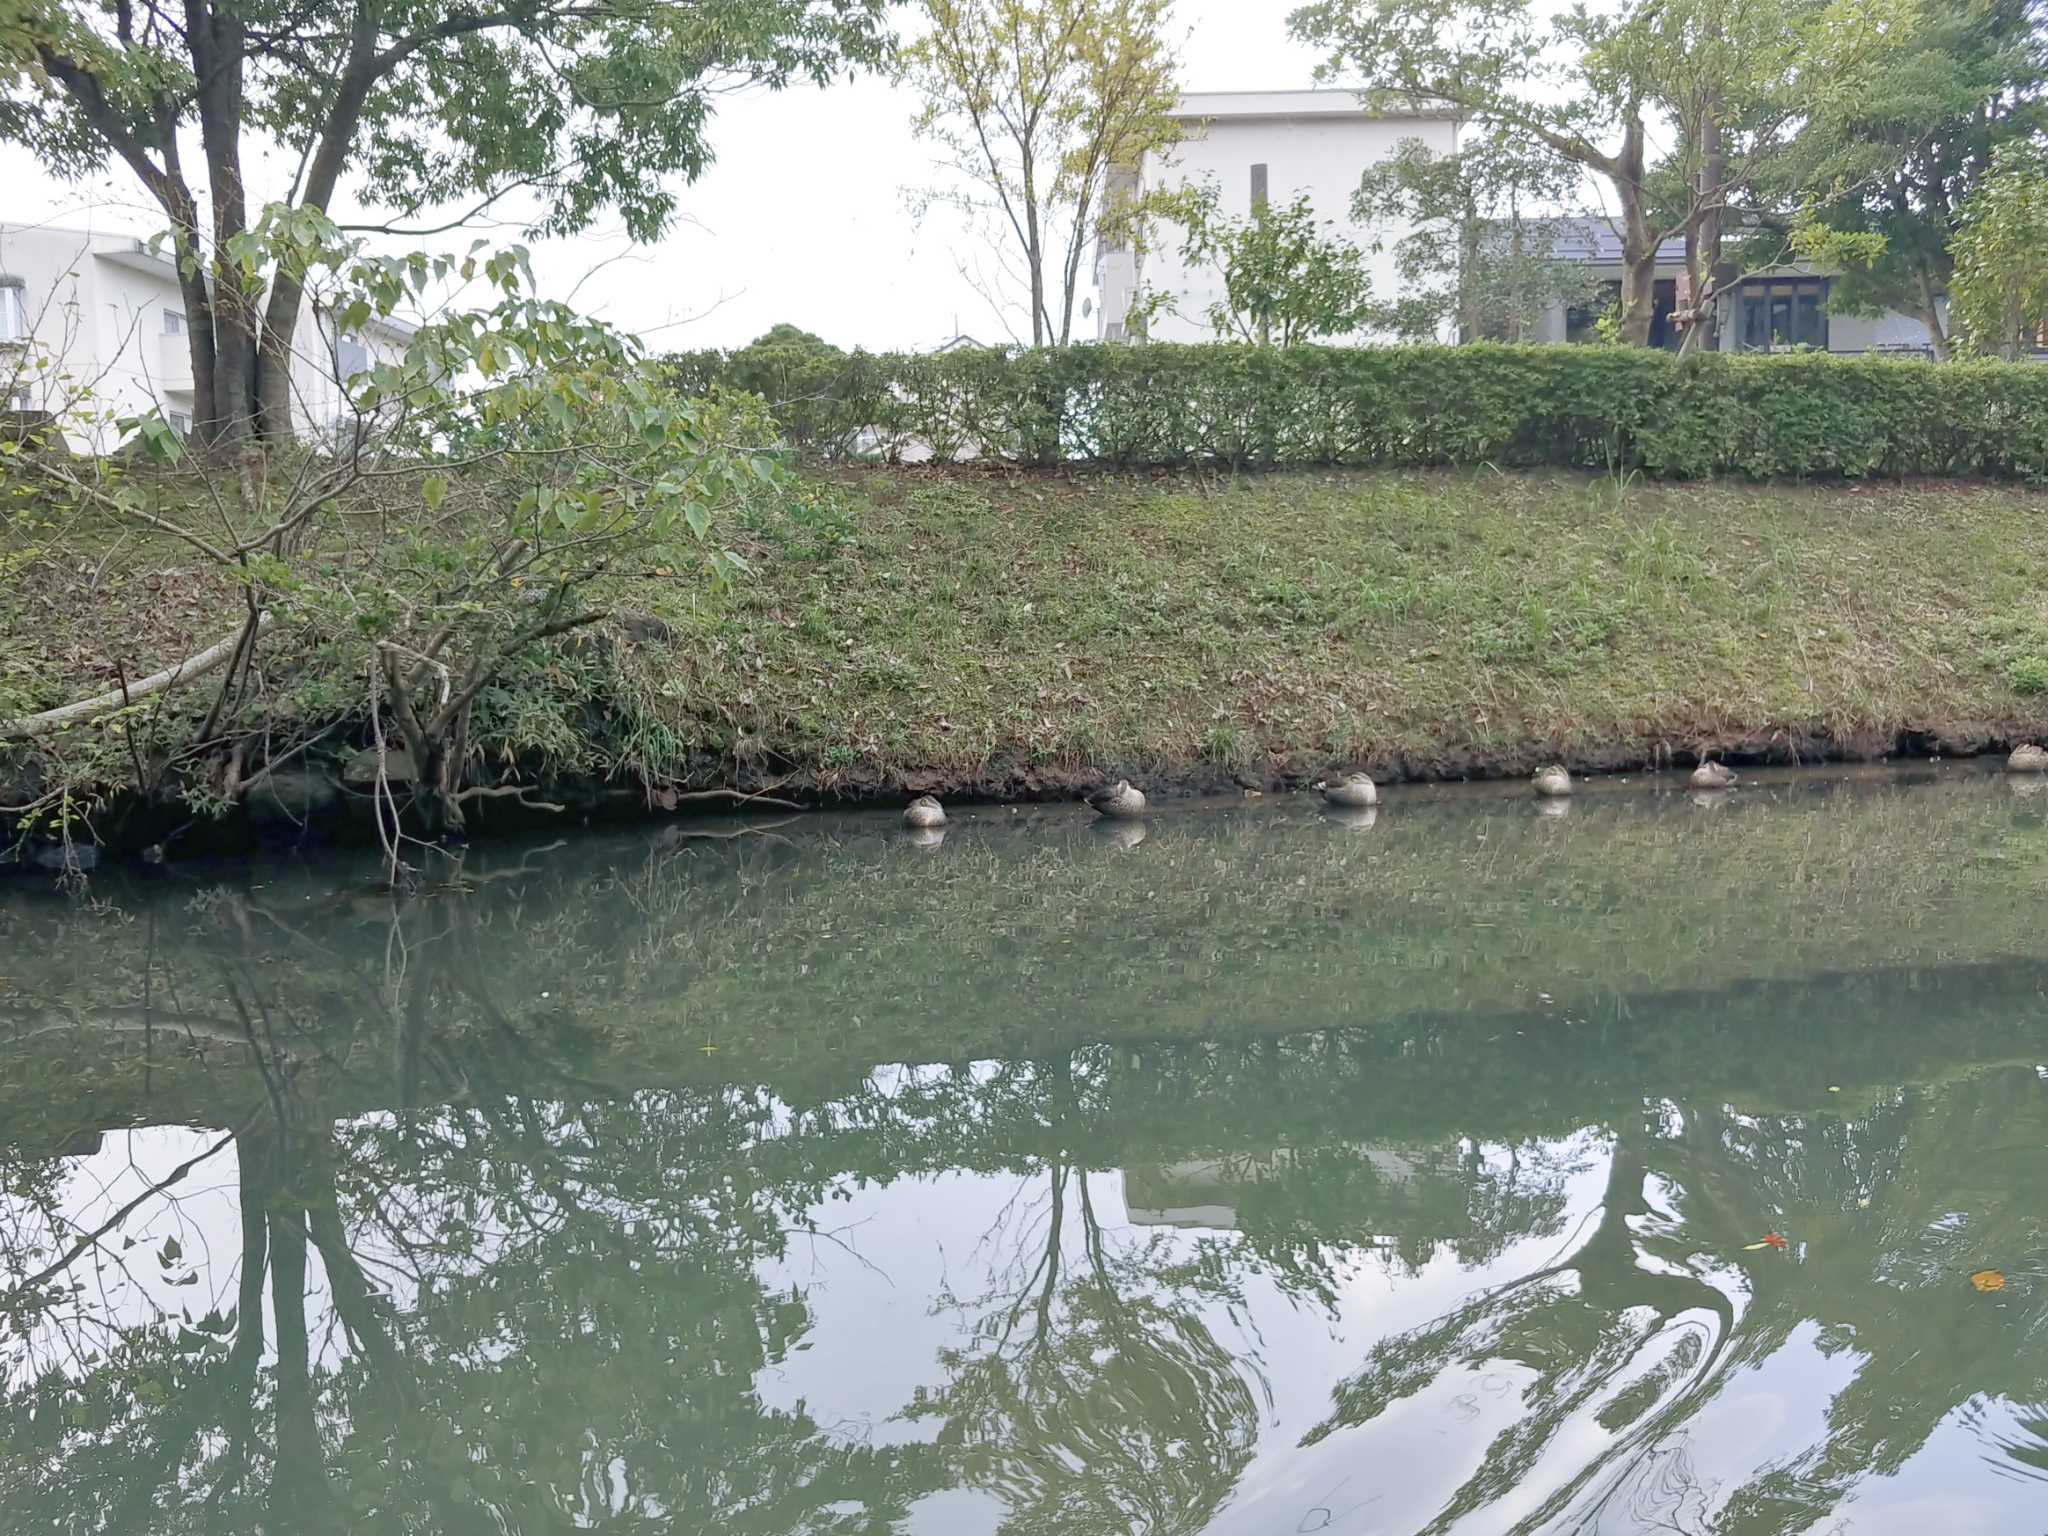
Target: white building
x=1261 y=146
x=92 y=328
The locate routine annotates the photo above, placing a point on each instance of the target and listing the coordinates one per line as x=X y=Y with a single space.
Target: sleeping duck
x=1355 y=791
x=1119 y=800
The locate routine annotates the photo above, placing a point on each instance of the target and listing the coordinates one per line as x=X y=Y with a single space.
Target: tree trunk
x=1704 y=333
x=1517 y=300
x=188 y=252
x=1034 y=253
x=1930 y=316
x=1469 y=318
x=1638 y=238
x=217 y=56
x=323 y=172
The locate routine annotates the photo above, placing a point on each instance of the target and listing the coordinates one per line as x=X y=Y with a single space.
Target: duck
x=1713 y=776
x=2027 y=759
x=1354 y=791
x=1552 y=783
x=1119 y=800
x=924 y=813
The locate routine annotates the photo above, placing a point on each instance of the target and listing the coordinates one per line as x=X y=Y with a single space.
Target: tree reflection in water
x=495 y=1263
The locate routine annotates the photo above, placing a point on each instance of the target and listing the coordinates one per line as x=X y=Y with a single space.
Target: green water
x=1262 y=1173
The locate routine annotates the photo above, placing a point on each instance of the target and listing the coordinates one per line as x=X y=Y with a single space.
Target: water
x=1271 y=1173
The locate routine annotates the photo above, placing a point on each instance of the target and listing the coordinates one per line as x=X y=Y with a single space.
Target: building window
x=181 y=423
x=20 y=401
x=1782 y=313
x=174 y=321
x=351 y=357
x=1259 y=182
x=13 y=310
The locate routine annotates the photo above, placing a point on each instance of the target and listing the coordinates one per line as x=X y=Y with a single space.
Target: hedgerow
x=1802 y=416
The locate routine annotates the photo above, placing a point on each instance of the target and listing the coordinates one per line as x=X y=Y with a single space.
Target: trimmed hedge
x=1803 y=415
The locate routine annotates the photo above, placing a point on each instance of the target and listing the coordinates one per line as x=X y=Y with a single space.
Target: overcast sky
x=803 y=217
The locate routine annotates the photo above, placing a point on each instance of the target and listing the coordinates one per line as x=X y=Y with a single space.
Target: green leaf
x=434 y=490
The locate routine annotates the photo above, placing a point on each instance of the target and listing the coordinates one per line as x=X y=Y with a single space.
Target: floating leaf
x=1988 y=1280
x=1768 y=1240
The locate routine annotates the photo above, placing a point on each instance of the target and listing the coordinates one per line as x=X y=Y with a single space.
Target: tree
x=1474 y=252
x=2000 y=296
x=1285 y=279
x=1972 y=79
x=1735 y=78
x=426 y=102
x=804 y=378
x=1035 y=105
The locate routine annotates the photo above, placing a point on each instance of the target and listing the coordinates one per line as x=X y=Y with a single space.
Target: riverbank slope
x=998 y=633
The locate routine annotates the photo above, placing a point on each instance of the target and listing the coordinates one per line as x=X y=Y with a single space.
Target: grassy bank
x=1279 y=624
x=1018 y=633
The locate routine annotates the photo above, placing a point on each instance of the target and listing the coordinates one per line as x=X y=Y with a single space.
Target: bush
x=1801 y=416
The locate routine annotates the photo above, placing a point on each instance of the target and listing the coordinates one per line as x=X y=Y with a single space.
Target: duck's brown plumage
x=1118 y=799
x=1355 y=790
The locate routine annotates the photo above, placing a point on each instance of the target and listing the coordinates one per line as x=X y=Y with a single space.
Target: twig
x=127 y=735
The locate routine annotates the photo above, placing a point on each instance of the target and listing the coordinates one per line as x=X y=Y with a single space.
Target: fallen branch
x=517 y=792
x=740 y=795
x=88 y=709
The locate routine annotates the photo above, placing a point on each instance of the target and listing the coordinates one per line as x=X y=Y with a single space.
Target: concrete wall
x=1314 y=141
x=107 y=338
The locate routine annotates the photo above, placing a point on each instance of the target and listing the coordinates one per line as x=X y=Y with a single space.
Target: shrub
x=1607 y=408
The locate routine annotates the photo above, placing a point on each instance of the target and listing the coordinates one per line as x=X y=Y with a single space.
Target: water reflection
x=534 y=1201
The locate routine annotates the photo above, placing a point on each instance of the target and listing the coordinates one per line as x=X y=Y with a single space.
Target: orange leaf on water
x=1988 y=1280
x=1776 y=1241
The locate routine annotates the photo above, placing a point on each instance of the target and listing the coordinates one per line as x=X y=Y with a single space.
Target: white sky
x=803 y=217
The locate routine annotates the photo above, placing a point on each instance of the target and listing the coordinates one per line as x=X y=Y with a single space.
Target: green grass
x=1284 y=622
x=990 y=626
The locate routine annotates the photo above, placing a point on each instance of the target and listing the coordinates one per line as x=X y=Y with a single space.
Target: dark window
x=1663 y=300
x=1582 y=321
x=13 y=310
x=1258 y=186
x=1781 y=313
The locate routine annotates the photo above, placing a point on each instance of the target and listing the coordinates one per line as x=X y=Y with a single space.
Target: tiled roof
x=1596 y=242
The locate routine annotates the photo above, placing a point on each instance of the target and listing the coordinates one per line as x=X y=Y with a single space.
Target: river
x=1657 y=1163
